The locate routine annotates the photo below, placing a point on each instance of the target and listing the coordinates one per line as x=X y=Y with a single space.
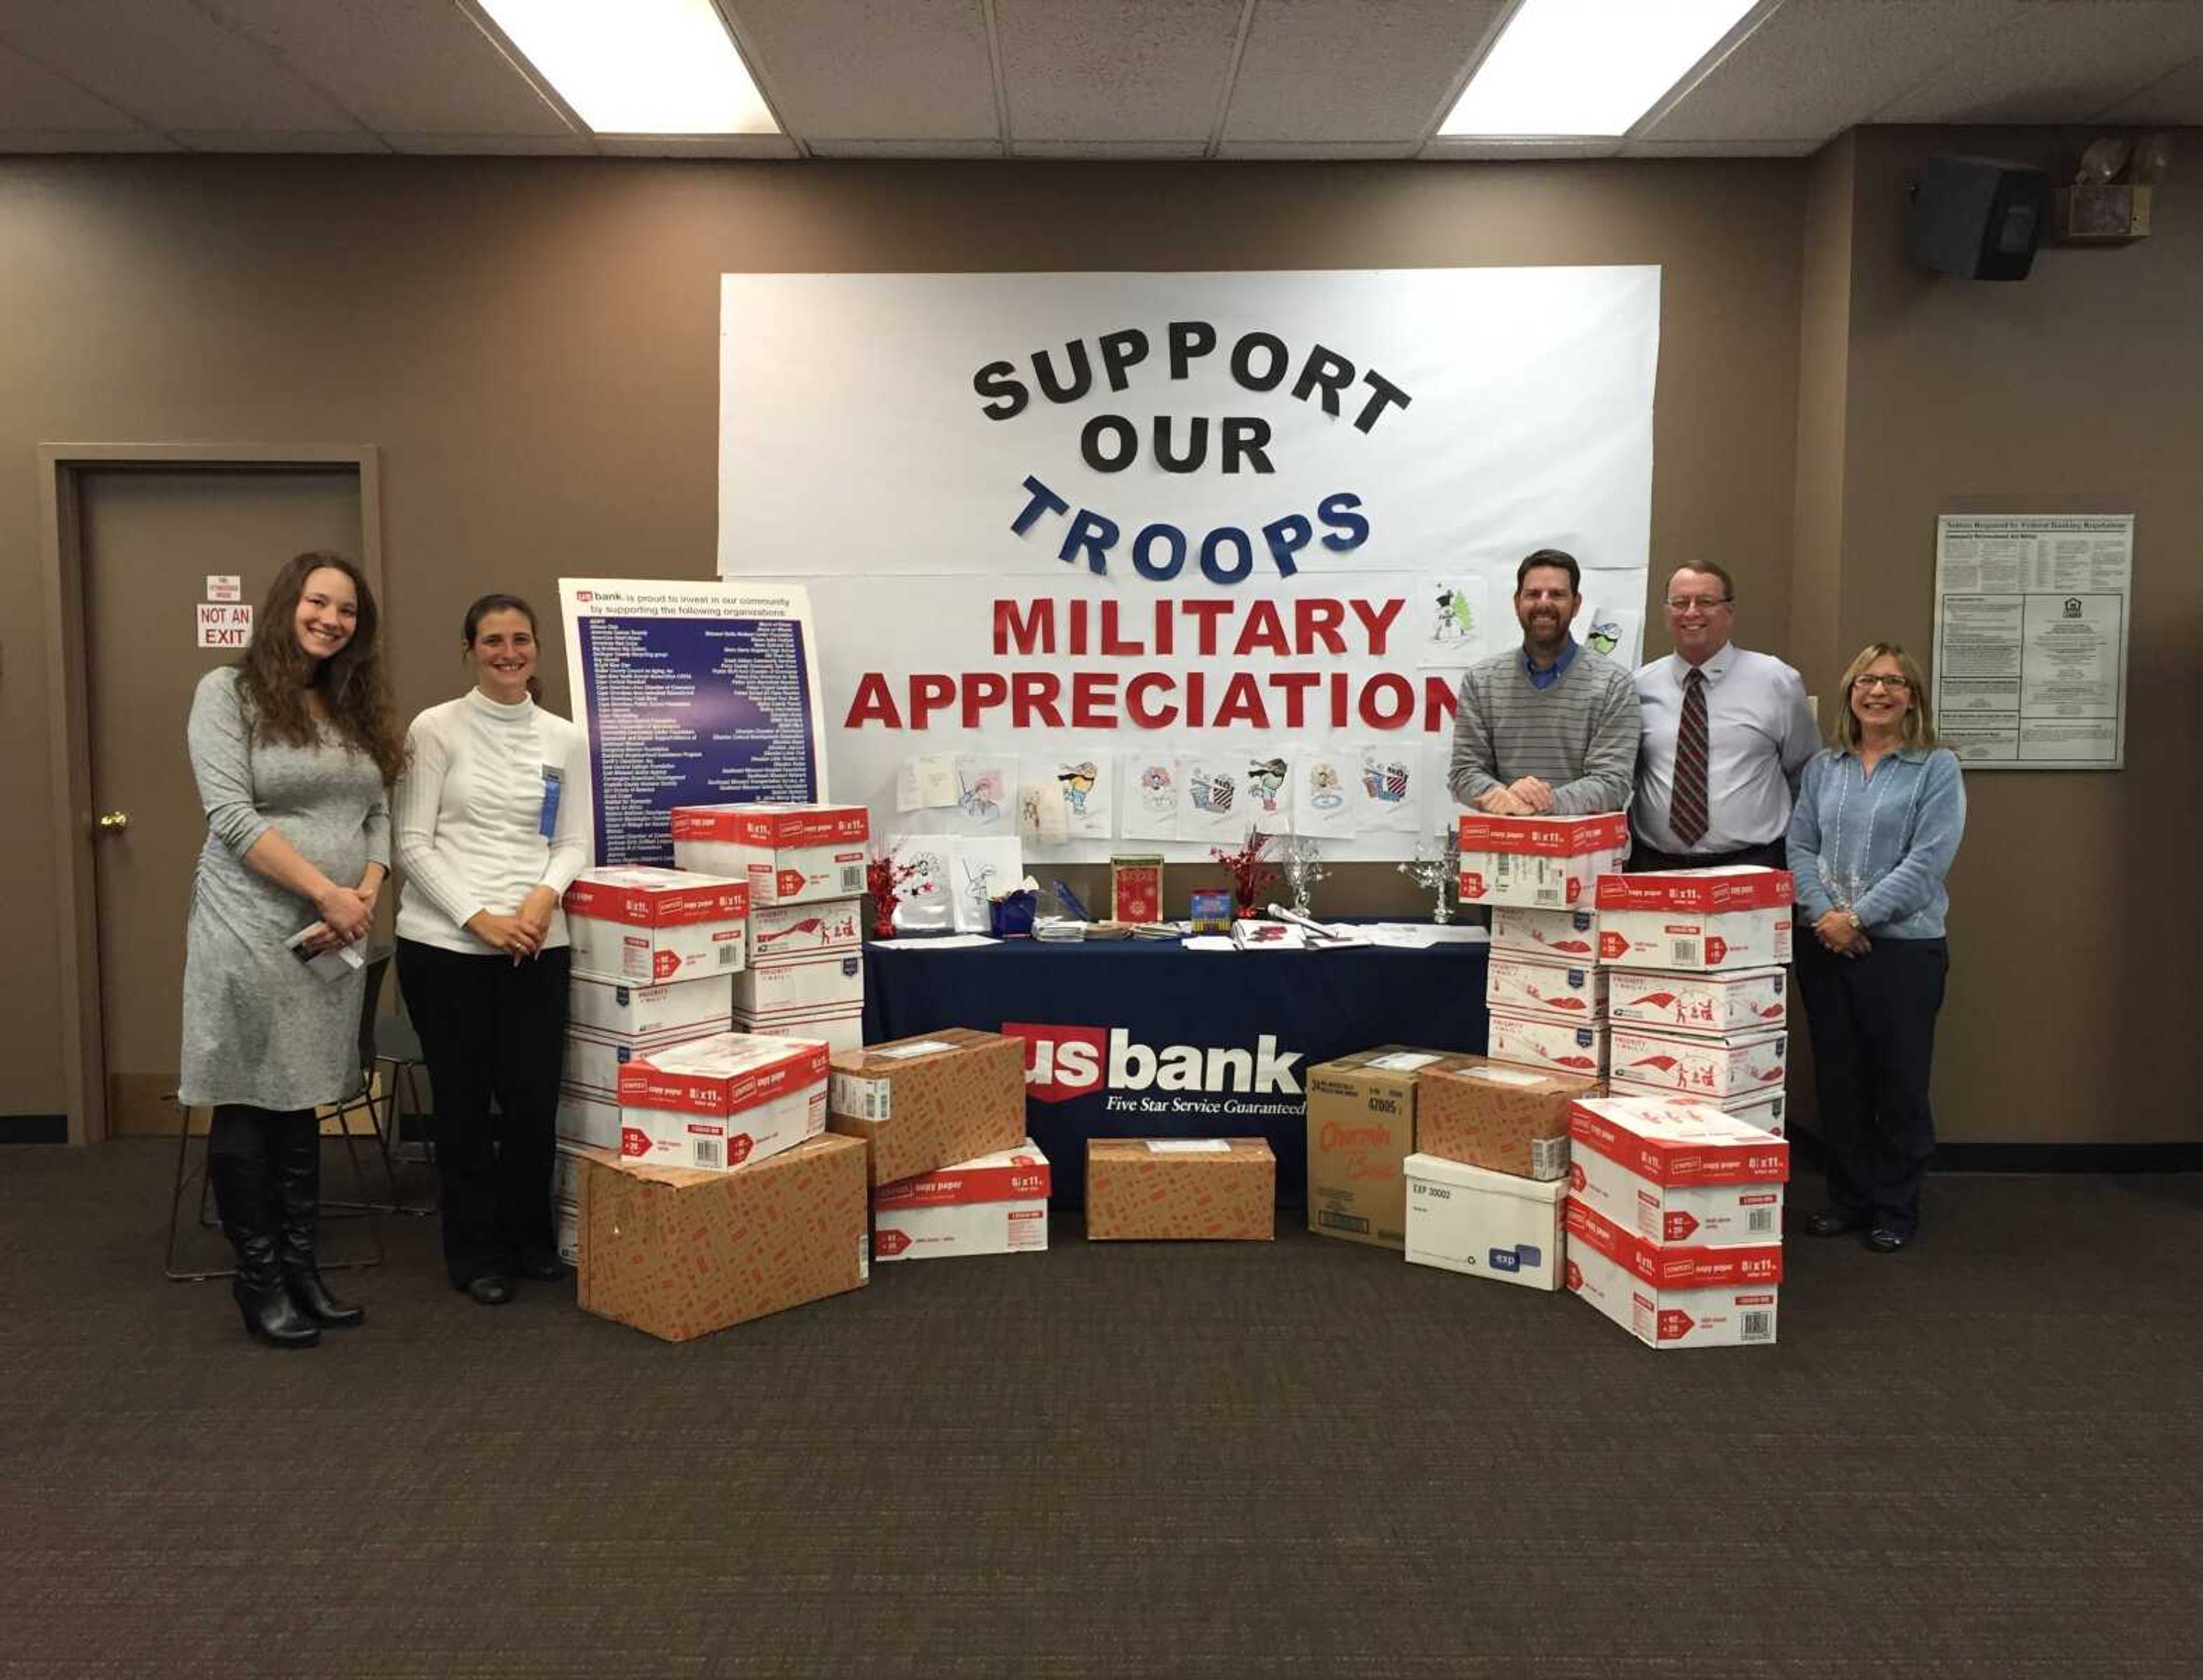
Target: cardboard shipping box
x=1508 y=1119
x=1539 y=985
x=921 y=1103
x=1677 y=1171
x=639 y=925
x=789 y=854
x=995 y=1205
x=717 y=1103
x=679 y=1253
x=1699 y=1067
x=1577 y=1047
x=1360 y=1127
x=1539 y=862
x=1180 y=1189
x=1560 y=935
x=1670 y=1295
x=1489 y=1224
x=1698 y=920
x=1728 y=1000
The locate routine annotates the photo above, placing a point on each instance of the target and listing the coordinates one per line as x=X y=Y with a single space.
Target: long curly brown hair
x=275 y=672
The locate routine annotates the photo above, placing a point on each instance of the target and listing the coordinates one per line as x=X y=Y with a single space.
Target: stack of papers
x=1156 y=930
x=1059 y=930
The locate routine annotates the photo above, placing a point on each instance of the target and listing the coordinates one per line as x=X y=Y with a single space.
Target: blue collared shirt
x=1879 y=846
x=1549 y=674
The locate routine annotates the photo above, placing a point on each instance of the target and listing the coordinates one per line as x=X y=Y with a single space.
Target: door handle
x=112 y=822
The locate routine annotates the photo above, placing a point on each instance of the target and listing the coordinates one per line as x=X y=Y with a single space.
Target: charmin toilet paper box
x=994 y=1204
x=717 y=1103
x=921 y=1103
x=1696 y=919
x=1360 y=1126
x=788 y=853
x=1181 y=1189
x=1677 y=1171
x=1710 y=1068
x=1560 y=935
x=1578 y=1048
x=1725 y=1001
x=679 y=1253
x=1535 y=986
x=1507 y=1119
x=644 y=927
x=1490 y=1224
x=1542 y=863
x=1673 y=1296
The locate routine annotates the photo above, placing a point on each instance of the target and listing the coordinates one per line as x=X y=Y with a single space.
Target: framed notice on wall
x=2031 y=612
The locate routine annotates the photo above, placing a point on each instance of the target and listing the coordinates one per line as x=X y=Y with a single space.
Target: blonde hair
x=1919 y=724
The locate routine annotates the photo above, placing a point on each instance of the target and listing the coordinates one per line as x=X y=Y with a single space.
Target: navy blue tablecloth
x=1130 y=1038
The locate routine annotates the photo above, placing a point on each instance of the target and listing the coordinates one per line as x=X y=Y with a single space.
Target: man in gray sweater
x=1546 y=727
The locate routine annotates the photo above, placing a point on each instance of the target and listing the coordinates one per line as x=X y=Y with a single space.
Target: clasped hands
x=347 y=913
x=1528 y=797
x=1839 y=935
x=521 y=934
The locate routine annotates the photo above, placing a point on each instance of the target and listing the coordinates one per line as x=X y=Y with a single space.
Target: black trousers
x=491 y=1029
x=1774 y=855
x=1873 y=1023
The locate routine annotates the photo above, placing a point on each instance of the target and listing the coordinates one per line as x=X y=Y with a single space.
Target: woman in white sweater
x=491 y=826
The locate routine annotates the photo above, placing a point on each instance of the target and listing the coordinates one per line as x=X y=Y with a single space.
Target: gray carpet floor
x=1982 y=1456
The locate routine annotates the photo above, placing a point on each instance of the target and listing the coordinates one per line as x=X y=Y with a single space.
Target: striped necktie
x=1686 y=808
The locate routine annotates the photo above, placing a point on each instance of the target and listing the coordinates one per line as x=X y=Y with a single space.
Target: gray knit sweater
x=1579 y=734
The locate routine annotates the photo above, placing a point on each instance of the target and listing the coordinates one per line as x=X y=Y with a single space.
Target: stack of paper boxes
x=805 y=868
x=1697 y=987
x=1674 y=1220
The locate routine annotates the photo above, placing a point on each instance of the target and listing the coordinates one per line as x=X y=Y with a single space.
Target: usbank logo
x=1062 y=1063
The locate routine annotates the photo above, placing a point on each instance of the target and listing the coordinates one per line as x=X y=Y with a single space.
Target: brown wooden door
x=151 y=539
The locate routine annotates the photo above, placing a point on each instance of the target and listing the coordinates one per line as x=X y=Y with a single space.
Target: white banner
x=1196 y=531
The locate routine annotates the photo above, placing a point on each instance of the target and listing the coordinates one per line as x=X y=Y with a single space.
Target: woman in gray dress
x=293 y=747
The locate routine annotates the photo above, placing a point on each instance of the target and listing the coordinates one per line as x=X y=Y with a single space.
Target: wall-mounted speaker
x=1976 y=217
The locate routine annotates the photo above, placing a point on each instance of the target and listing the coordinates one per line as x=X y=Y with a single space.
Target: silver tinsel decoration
x=1440 y=874
x=1302 y=869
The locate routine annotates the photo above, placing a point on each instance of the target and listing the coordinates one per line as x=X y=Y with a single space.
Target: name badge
x=554 y=783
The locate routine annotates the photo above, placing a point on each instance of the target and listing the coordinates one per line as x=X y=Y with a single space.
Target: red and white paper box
x=994 y=1204
x=1542 y=863
x=1562 y=1045
x=686 y=1008
x=791 y=932
x=1534 y=986
x=644 y=927
x=1696 y=920
x=1671 y=1295
x=1677 y=1171
x=1728 y=1001
x=1714 y=1069
x=1560 y=935
x=719 y=1103
x=1767 y=1110
x=840 y=1027
x=789 y=854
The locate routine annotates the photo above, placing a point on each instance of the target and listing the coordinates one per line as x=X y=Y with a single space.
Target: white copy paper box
x=1559 y=935
x=820 y=980
x=1489 y=1224
x=1697 y=920
x=1713 y=1068
x=644 y=927
x=1676 y=1171
x=1728 y=1001
x=994 y=1204
x=1538 y=986
x=1767 y=1110
x=590 y=1120
x=1669 y=1296
x=719 y=1103
x=1559 y=1046
x=592 y=1060
x=788 y=853
x=1543 y=863
x=683 y=1008
x=840 y=1028
x=789 y=932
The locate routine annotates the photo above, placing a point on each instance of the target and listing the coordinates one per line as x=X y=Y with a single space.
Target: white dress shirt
x=1759 y=734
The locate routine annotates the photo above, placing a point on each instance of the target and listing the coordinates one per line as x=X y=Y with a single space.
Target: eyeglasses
x=1702 y=602
x=1875 y=679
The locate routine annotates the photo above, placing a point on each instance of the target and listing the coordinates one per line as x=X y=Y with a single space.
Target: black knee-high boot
x=298 y=1195
x=241 y=1167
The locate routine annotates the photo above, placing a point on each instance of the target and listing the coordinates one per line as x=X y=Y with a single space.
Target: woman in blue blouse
x=1875 y=826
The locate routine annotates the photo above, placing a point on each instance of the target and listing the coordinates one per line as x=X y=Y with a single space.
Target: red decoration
x=888 y=881
x=1251 y=878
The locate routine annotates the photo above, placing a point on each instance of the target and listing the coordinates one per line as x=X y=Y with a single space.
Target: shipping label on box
x=1560 y=935
x=1490 y=1224
x=644 y=927
x=1766 y=1110
x=1677 y=1171
x=718 y=1103
x=1696 y=920
x=1712 y=1068
x=679 y=1009
x=1507 y=1119
x=1360 y=1126
x=789 y=854
x=678 y=1254
x=1728 y=1001
x=1540 y=862
x=994 y=1204
x=1535 y=986
x=824 y=980
x=1180 y=1189
x=1545 y=1042
x=922 y=1103
x=1694 y=1299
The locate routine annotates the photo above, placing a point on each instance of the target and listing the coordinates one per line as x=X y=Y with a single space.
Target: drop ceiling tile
x=46 y=140
x=2177 y=98
x=493 y=146
x=845 y=148
x=1101 y=70
x=1121 y=148
x=2058 y=60
x=1369 y=150
x=696 y=145
x=1345 y=70
x=268 y=140
x=1481 y=150
x=1755 y=148
x=34 y=97
x=875 y=69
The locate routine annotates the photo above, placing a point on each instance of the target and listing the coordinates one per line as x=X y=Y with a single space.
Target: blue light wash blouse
x=1878 y=845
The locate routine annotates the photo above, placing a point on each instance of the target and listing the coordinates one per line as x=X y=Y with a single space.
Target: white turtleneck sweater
x=467 y=816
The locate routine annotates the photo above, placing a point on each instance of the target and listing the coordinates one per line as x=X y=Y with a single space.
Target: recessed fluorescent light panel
x=1586 y=67
x=638 y=67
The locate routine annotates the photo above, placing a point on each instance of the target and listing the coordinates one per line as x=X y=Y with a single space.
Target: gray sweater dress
x=258 y=1027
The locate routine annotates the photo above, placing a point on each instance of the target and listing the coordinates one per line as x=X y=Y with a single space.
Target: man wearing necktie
x=1725 y=734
